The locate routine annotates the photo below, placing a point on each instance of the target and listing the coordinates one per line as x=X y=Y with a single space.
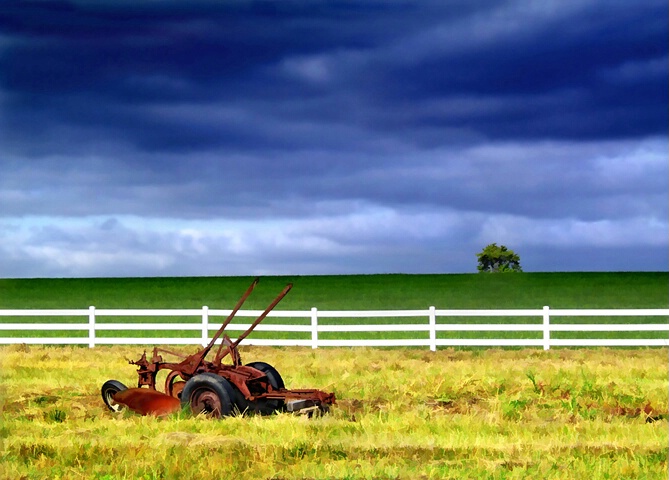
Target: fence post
x=91 y=326
x=314 y=327
x=433 y=330
x=547 y=328
x=205 y=326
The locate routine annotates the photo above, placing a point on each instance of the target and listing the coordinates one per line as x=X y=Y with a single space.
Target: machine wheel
x=273 y=376
x=109 y=388
x=210 y=394
x=267 y=407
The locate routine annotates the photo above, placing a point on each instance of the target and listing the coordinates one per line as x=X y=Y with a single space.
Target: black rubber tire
x=209 y=393
x=273 y=375
x=109 y=388
x=267 y=407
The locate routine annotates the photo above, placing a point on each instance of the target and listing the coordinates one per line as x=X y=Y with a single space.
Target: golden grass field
x=402 y=413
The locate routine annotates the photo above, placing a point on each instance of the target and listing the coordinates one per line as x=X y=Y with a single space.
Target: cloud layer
x=213 y=138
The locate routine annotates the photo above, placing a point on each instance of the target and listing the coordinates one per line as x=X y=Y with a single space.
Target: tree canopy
x=494 y=259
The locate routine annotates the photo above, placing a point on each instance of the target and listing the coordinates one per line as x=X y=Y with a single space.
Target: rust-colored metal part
x=217 y=388
x=147 y=402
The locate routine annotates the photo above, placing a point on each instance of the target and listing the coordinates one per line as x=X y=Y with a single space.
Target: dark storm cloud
x=498 y=70
x=559 y=76
x=317 y=137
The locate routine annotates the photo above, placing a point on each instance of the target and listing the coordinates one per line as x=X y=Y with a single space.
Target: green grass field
x=350 y=292
x=354 y=292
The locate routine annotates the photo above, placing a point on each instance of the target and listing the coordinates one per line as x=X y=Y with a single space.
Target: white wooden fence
x=431 y=325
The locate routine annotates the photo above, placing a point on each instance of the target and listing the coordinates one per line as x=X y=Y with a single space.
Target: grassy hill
x=350 y=292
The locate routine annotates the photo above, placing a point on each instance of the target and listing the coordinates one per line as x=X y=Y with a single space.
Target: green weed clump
x=401 y=413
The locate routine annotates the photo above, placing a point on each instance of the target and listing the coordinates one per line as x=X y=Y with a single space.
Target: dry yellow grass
x=401 y=413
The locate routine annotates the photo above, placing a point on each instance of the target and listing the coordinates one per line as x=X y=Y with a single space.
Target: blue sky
x=261 y=137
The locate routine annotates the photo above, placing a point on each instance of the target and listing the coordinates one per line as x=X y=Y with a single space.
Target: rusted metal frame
x=252 y=384
x=236 y=358
x=262 y=316
x=199 y=357
x=190 y=364
x=164 y=350
x=218 y=357
x=170 y=383
x=146 y=372
x=288 y=395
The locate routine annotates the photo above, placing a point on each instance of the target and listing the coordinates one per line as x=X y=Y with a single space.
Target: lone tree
x=493 y=259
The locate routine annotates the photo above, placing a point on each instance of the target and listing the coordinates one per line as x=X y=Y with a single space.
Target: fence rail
x=205 y=327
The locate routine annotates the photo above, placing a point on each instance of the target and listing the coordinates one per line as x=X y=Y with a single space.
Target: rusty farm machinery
x=212 y=387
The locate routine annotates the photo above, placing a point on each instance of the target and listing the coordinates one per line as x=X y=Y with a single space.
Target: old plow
x=211 y=387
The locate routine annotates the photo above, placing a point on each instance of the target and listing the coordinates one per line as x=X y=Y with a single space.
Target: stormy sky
x=155 y=138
